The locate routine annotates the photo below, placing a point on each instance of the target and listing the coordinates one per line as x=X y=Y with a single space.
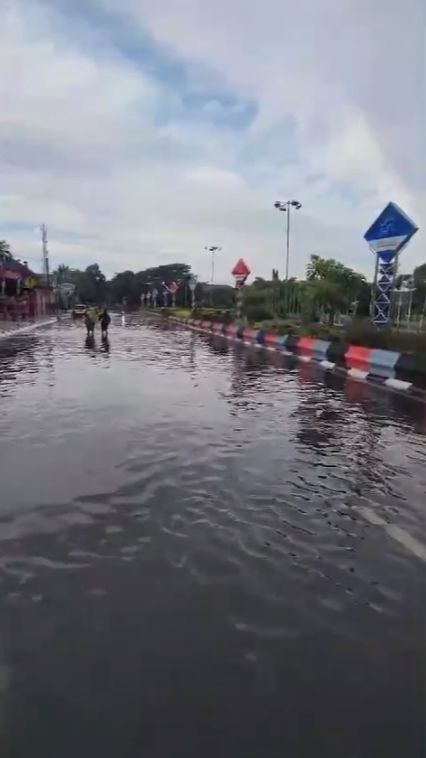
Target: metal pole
x=373 y=292
x=398 y=318
x=423 y=314
x=212 y=282
x=410 y=305
x=45 y=254
x=239 y=303
x=393 y=290
x=288 y=240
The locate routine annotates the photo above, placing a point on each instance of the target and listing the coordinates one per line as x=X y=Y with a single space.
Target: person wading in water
x=105 y=320
x=90 y=321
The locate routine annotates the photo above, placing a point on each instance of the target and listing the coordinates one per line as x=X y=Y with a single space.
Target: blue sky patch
x=204 y=96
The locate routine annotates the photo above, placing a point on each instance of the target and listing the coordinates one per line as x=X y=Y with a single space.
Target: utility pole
x=46 y=271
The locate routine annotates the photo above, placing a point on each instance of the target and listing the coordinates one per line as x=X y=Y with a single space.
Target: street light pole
x=213 y=249
x=287 y=255
x=285 y=207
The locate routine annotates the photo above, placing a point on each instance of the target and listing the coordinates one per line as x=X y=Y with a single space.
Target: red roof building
x=23 y=293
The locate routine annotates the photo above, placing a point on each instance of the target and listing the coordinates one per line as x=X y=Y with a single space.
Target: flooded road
x=205 y=550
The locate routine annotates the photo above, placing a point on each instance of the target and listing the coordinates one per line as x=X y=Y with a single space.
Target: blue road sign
x=386 y=237
x=391 y=230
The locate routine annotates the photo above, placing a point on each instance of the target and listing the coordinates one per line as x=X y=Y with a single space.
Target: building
x=23 y=293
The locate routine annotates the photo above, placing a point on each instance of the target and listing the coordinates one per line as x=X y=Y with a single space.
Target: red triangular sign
x=241 y=268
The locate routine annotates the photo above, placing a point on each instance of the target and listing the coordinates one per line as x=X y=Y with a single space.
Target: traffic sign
x=386 y=237
x=390 y=232
x=241 y=268
x=240 y=273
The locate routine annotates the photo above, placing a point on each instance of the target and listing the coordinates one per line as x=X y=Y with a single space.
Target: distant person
x=90 y=321
x=105 y=320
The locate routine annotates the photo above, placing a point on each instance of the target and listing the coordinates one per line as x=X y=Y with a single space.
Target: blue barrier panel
x=319 y=350
x=281 y=340
x=383 y=362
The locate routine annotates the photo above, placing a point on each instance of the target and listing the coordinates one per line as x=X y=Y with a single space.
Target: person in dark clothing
x=105 y=320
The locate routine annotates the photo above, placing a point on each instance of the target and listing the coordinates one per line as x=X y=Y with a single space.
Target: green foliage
x=363 y=332
x=130 y=286
x=333 y=287
x=419 y=280
x=257 y=302
x=359 y=332
x=258 y=312
x=91 y=284
x=215 y=295
x=210 y=314
x=279 y=326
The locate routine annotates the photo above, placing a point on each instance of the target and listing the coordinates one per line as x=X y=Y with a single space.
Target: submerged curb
x=397 y=371
x=27 y=328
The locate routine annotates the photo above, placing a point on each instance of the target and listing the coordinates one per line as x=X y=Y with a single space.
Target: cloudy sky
x=141 y=131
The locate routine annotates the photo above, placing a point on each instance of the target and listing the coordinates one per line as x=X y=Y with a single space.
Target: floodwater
x=205 y=550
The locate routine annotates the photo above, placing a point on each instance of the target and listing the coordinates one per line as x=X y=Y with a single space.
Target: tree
x=5 y=251
x=131 y=286
x=62 y=274
x=333 y=286
x=419 y=280
x=92 y=284
x=125 y=285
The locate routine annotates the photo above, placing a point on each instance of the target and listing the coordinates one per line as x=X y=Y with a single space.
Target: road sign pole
x=373 y=289
x=240 y=272
x=192 y=284
x=386 y=237
x=239 y=303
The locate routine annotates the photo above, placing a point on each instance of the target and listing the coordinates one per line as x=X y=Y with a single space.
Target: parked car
x=79 y=310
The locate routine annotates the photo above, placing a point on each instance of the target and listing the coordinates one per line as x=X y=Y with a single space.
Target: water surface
x=205 y=550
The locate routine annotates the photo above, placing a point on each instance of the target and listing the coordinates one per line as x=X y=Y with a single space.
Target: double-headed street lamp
x=213 y=249
x=286 y=208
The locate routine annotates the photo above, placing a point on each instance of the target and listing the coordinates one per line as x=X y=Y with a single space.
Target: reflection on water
x=205 y=548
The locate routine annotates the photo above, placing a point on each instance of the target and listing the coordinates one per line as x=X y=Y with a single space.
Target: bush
x=280 y=326
x=207 y=314
x=363 y=332
x=256 y=313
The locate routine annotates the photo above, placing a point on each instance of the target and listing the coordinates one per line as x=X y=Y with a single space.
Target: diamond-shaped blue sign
x=390 y=231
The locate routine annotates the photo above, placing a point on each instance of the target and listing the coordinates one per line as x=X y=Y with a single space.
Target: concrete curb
x=396 y=371
x=27 y=328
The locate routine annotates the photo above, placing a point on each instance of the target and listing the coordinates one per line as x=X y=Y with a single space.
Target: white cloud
x=83 y=147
